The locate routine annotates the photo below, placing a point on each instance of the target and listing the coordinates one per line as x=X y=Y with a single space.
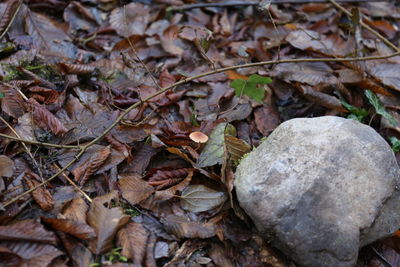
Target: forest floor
x=121 y=122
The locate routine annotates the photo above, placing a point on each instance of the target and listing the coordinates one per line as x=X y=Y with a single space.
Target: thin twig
x=12 y=19
x=73 y=184
x=382 y=258
x=377 y=34
x=243 y=3
x=25 y=147
x=83 y=148
x=38 y=143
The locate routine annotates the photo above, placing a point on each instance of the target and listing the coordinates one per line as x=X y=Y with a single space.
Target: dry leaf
x=133 y=240
x=6 y=166
x=106 y=222
x=45 y=119
x=75 y=228
x=41 y=195
x=198 y=198
x=135 y=189
x=182 y=228
x=83 y=172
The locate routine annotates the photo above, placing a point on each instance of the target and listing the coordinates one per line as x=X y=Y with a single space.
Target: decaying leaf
x=6 y=166
x=76 y=210
x=133 y=240
x=388 y=74
x=135 y=189
x=213 y=152
x=183 y=228
x=236 y=147
x=41 y=195
x=83 y=172
x=28 y=230
x=198 y=198
x=49 y=38
x=106 y=222
x=75 y=228
x=46 y=119
x=130 y=19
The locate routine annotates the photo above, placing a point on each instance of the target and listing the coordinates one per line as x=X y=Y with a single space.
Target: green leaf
x=379 y=108
x=214 y=151
x=356 y=113
x=2 y=94
x=395 y=143
x=251 y=87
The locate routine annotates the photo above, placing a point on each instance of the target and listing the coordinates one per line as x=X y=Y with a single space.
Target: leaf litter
x=157 y=189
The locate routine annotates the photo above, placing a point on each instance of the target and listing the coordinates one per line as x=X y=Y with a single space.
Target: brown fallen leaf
x=6 y=166
x=45 y=119
x=106 y=222
x=135 y=189
x=75 y=228
x=83 y=172
x=28 y=230
x=76 y=210
x=182 y=228
x=266 y=119
x=41 y=195
x=133 y=240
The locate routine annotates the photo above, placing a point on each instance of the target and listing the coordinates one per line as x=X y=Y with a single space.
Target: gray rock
x=321 y=188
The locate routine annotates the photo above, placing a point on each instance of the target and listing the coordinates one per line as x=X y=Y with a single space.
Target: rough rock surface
x=320 y=189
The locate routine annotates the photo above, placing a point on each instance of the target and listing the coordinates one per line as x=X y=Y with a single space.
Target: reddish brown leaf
x=41 y=195
x=135 y=189
x=182 y=228
x=6 y=166
x=169 y=41
x=133 y=240
x=45 y=33
x=388 y=73
x=166 y=79
x=233 y=75
x=164 y=174
x=83 y=172
x=81 y=69
x=10 y=11
x=267 y=119
x=77 y=210
x=28 y=230
x=32 y=254
x=130 y=19
x=383 y=26
x=106 y=222
x=75 y=228
x=322 y=99
x=172 y=191
x=12 y=104
x=45 y=119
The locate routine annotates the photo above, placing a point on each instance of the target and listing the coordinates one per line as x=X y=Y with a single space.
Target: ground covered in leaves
x=83 y=185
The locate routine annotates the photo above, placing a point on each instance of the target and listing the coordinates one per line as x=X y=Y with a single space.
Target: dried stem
x=73 y=184
x=25 y=147
x=12 y=19
x=364 y=25
x=39 y=143
x=83 y=148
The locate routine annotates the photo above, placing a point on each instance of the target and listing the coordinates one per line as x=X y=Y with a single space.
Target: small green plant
x=379 y=108
x=252 y=87
x=395 y=144
x=358 y=114
x=115 y=256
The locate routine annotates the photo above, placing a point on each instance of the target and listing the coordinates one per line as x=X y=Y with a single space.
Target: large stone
x=321 y=188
